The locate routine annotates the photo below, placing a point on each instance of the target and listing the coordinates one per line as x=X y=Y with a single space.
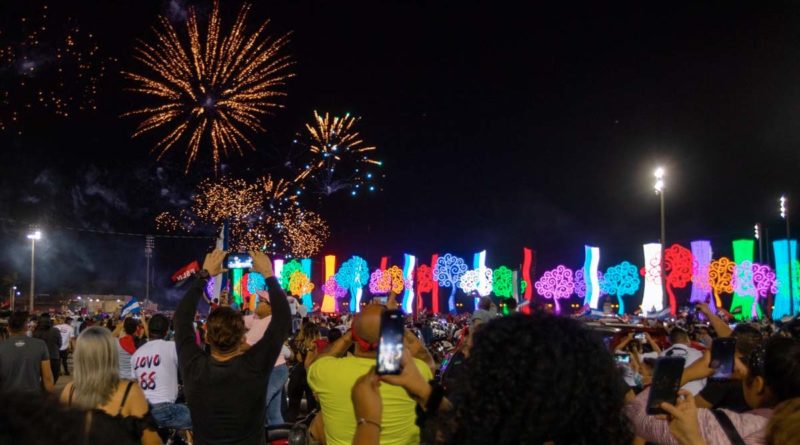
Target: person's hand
x=213 y=262
x=683 y=421
x=391 y=302
x=261 y=263
x=703 y=307
x=409 y=378
x=700 y=369
x=367 y=402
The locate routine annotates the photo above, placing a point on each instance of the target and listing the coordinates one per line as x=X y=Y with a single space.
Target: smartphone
x=381 y=300
x=623 y=358
x=640 y=337
x=390 y=345
x=722 y=358
x=238 y=261
x=666 y=383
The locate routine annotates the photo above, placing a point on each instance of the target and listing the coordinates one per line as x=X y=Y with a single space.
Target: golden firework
x=212 y=90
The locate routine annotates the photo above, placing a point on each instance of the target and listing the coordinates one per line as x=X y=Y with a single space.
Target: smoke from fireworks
x=339 y=158
x=47 y=65
x=211 y=89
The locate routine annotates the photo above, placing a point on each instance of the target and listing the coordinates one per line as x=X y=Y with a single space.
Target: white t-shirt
x=154 y=366
x=691 y=355
x=67 y=332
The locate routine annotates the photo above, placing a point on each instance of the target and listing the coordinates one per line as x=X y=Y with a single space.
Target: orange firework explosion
x=208 y=90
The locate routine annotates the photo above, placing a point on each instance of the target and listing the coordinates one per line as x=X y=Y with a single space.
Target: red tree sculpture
x=423 y=277
x=678 y=262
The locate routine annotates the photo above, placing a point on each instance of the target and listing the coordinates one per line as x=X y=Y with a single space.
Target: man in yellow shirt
x=332 y=379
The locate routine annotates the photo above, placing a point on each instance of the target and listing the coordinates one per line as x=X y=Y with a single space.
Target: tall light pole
x=659 y=188
x=757 y=236
x=33 y=236
x=785 y=215
x=12 y=291
x=149 y=245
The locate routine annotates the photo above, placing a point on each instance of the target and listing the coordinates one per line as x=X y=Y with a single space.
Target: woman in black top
x=303 y=346
x=52 y=337
x=226 y=389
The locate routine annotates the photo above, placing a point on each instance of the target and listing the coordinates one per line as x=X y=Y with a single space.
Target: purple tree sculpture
x=556 y=284
x=580 y=283
x=764 y=283
x=448 y=271
x=331 y=287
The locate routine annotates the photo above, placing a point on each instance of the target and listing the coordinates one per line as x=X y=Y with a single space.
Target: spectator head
x=748 y=338
x=96 y=368
x=773 y=373
x=263 y=307
x=130 y=325
x=68 y=320
x=310 y=331
x=225 y=330
x=367 y=328
x=678 y=336
x=784 y=425
x=44 y=323
x=333 y=335
x=507 y=369
x=158 y=326
x=18 y=322
x=485 y=303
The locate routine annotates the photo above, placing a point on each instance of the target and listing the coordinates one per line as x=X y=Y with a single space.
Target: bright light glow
x=757 y=231
x=701 y=289
x=743 y=289
x=764 y=283
x=783 y=206
x=527 y=284
x=720 y=277
x=409 y=264
x=435 y=285
x=503 y=282
x=659 y=186
x=354 y=275
x=556 y=284
x=659 y=173
x=592 y=297
x=307 y=301
x=286 y=272
x=477 y=280
x=653 y=298
x=277 y=267
x=448 y=271
x=479 y=264
x=677 y=271
x=329 y=300
x=621 y=280
x=423 y=278
x=782 y=307
x=299 y=284
x=36 y=236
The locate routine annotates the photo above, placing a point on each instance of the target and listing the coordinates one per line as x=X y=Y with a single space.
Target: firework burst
x=340 y=160
x=209 y=91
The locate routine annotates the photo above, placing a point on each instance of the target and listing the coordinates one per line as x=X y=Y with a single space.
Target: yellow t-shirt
x=332 y=380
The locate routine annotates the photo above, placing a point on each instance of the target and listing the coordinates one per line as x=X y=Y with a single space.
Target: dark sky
x=499 y=126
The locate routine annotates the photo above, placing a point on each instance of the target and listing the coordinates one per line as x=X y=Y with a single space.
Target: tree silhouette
x=502 y=282
x=353 y=275
x=448 y=271
x=621 y=280
x=556 y=284
x=299 y=284
x=286 y=273
x=678 y=264
x=423 y=277
x=720 y=277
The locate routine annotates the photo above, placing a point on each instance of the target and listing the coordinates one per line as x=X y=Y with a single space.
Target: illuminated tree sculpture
x=503 y=282
x=383 y=281
x=477 y=280
x=286 y=274
x=678 y=262
x=556 y=284
x=354 y=275
x=621 y=280
x=397 y=282
x=255 y=282
x=720 y=277
x=299 y=283
x=448 y=271
x=580 y=283
x=423 y=276
x=764 y=283
x=332 y=288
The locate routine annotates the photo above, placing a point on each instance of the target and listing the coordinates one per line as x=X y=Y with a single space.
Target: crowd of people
x=281 y=374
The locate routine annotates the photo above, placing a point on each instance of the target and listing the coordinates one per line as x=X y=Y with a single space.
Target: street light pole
x=149 y=244
x=659 y=188
x=12 y=291
x=757 y=234
x=33 y=236
x=785 y=215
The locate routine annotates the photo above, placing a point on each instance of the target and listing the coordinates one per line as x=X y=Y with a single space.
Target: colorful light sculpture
x=236 y=279
x=307 y=300
x=329 y=300
x=653 y=291
x=286 y=272
x=743 y=291
x=448 y=271
x=255 y=282
x=299 y=283
x=354 y=275
x=477 y=280
x=556 y=284
x=435 y=290
x=701 y=288
x=580 y=283
x=277 y=268
x=720 y=277
x=621 y=280
x=782 y=250
x=332 y=288
x=409 y=264
x=378 y=284
x=423 y=278
x=592 y=284
x=678 y=263
x=527 y=287
x=764 y=283
x=479 y=264
x=503 y=282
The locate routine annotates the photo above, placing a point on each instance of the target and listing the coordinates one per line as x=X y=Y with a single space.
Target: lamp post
x=149 y=245
x=659 y=189
x=33 y=236
x=12 y=292
x=757 y=235
x=785 y=215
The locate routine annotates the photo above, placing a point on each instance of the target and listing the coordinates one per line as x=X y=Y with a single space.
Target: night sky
x=499 y=126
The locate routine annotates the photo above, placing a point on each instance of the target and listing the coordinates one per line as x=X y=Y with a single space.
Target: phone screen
x=666 y=383
x=390 y=346
x=239 y=261
x=622 y=358
x=722 y=358
x=640 y=337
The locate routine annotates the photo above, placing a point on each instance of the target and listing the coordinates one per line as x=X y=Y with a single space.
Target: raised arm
x=184 y=314
x=265 y=352
x=720 y=327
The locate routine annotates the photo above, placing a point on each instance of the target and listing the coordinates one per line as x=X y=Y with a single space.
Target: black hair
x=511 y=304
x=485 y=303
x=17 y=321
x=334 y=334
x=528 y=379
x=781 y=367
x=678 y=335
x=130 y=325
x=158 y=326
x=748 y=338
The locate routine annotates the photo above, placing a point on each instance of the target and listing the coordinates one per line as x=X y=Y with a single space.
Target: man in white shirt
x=67 y=338
x=154 y=366
x=256 y=327
x=681 y=347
